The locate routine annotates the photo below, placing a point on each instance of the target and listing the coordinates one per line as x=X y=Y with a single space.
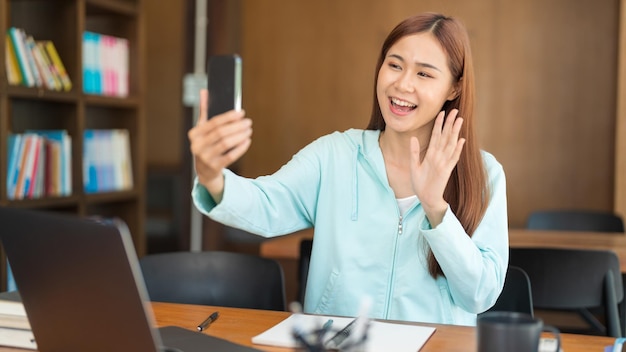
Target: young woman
x=409 y=212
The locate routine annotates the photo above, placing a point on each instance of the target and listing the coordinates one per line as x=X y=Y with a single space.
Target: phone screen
x=224 y=82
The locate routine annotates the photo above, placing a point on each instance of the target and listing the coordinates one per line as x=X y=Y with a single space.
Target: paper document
x=382 y=336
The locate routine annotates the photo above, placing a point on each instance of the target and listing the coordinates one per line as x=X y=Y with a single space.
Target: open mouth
x=401 y=105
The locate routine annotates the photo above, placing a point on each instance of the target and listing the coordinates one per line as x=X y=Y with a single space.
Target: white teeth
x=402 y=103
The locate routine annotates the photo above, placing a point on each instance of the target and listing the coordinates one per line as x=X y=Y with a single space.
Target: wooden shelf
x=109 y=197
x=46 y=203
x=129 y=8
x=22 y=108
x=99 y=100
x=42 y=94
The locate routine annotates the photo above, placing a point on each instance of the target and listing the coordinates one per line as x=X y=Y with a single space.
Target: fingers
x=437 y=130
x=215 y=138
x=445 y=136
x=217 y=142
x=204 y=104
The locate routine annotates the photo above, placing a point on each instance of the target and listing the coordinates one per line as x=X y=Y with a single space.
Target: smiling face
x=414 y=82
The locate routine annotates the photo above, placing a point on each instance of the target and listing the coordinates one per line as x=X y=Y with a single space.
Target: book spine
x=31 y=60
x=33 y=170
x=21 y=167
x=58 y=64
x=89 y=168
x=89 y=74
x=30 y=165
x=66 y=164
x=15 y=145
x=54 y=74
x=12 y=67
x=20 y=51
x=43 y=68
x=122 y=57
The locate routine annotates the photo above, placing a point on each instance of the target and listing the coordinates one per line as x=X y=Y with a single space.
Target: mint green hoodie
x=362 y=246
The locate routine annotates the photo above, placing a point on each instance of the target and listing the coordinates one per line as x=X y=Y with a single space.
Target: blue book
x=90 y=172
x=14 y=162
x=92 y=73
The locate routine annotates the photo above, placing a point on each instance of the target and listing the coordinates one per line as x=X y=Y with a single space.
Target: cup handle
x=557 y=335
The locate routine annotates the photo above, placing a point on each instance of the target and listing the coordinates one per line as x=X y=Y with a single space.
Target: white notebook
x=382 y=336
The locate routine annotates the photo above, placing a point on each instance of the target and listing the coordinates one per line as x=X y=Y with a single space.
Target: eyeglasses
x=351 y=338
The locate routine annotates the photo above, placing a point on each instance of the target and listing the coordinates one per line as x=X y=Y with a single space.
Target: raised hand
x=217 y=143
x=430 y=176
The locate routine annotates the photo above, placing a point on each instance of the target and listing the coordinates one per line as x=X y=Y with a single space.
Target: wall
x=545 y=77
x=167 y=152
x=166 y=45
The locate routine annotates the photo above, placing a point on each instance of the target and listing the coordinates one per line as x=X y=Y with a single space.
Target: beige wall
x=545 y=77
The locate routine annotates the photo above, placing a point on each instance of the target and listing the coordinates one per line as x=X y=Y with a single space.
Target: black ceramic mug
x=511 y=332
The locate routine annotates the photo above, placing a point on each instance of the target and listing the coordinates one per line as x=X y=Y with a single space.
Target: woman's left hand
x=430 y=176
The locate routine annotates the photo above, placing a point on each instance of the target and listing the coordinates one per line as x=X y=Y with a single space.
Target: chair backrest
x=575 y=220
x=306 y=246
x=572 y=279
x=516 y=296
x=215 y=278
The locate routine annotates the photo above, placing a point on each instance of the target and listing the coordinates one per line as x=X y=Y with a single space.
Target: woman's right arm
x=216 y=143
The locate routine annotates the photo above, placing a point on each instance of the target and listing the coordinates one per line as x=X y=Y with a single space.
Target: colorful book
x=21 y=167
x=55 y=75
x=107 y=162
x=14 y=75
x=22 y=59
x=58 y=64
x=31 y=59
x=91 y=81
x=15 y=147
x=105 y=64
x=58 y=162
x=29 y=168
x=42 y=67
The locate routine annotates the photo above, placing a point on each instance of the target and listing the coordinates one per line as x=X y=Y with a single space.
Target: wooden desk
x=240 y=325
x=289 y=246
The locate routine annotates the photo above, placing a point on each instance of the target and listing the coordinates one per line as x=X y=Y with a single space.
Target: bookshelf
x=22 y=108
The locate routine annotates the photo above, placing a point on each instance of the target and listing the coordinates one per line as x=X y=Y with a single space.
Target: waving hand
x=430 y=176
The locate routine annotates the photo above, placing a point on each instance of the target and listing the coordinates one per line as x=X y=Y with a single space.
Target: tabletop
x=240 y=325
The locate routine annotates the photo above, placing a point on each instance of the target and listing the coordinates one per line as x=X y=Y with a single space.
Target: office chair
x=575 y=220
x=575 y=280
x=580 y=220
x=516 y=296
x=215 y=278
x=306 y=246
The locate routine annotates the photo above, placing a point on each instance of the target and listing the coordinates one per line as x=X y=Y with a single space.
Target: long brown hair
x=467 y=190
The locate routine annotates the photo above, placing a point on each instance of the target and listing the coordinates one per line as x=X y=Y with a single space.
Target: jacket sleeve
x=269 y=206
x=475 y=267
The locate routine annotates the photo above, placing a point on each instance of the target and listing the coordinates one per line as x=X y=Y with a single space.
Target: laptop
x=82 y=288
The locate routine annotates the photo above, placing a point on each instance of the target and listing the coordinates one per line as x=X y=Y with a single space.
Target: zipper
x=393 y=270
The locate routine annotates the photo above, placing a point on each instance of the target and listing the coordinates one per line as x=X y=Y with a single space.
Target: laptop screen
x=79 y=282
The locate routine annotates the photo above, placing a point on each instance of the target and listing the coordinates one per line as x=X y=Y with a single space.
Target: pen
x=340 y=336
x=208 y=321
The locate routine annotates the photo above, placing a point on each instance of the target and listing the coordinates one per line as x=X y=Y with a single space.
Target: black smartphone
x=224 y=83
